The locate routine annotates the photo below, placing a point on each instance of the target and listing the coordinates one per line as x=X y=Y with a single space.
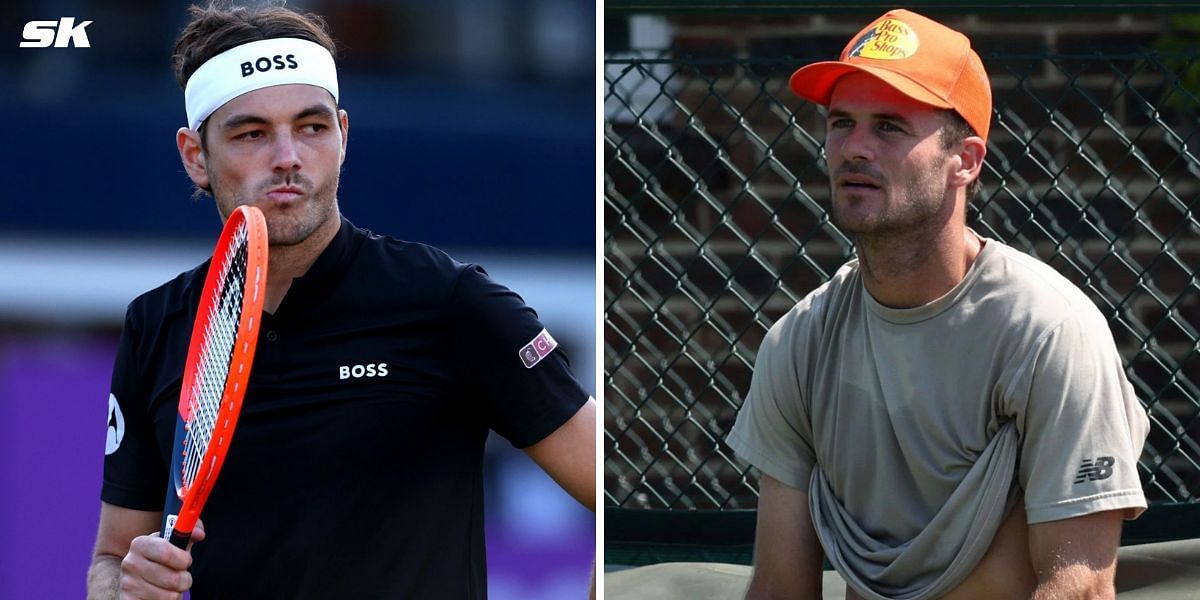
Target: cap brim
x=815 y=82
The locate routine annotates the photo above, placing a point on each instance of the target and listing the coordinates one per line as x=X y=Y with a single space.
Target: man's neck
x=285 y=263
x=910 y=269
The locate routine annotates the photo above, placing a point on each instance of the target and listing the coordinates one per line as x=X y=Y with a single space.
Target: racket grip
x=180 y=539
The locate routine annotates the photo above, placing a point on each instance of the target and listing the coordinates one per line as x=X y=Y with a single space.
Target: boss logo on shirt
x=1095 y=469
x=267 y=63
x=360 y=371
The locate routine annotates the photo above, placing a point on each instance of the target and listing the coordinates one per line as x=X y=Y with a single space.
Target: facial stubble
x=916 y=208
x=296 y=224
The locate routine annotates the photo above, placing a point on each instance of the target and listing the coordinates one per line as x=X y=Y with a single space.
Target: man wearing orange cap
x=947 y=416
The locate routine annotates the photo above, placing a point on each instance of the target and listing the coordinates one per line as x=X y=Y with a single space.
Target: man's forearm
x=104 y=578
x=759 y=590
x=1075 y=582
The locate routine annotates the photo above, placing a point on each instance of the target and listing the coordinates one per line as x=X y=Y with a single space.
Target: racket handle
x=180 y=539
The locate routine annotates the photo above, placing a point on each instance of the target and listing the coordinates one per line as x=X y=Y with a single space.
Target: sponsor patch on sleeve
x=537 y=349
x=116 y=426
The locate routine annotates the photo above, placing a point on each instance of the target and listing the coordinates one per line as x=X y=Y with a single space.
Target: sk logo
x=40 y=34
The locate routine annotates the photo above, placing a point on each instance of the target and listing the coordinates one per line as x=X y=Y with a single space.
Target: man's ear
x=970 y=161
x=344 y=122
x=192 y=154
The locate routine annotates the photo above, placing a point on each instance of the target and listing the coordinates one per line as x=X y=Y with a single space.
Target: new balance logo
x=1095 y=469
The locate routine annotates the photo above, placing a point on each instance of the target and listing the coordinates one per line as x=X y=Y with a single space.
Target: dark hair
x=214 y=29
x=954 y=130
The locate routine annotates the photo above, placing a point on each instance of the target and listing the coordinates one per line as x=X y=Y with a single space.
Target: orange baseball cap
x=918 y=56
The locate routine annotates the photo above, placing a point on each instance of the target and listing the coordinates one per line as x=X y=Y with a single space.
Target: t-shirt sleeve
x=134 y=474
x=1081 y=425
x=773 y=431
x=523 y=375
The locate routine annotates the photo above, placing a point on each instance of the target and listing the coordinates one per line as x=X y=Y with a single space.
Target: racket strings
x=220 y=335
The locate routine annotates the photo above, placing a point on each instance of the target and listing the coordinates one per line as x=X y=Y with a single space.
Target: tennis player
x=381 y=366
x=946 y=417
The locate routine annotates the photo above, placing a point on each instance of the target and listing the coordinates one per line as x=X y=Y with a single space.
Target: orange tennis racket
x=219 y=358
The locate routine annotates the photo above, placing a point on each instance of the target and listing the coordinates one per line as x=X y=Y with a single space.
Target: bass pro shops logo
x=888 y=39
x=63 y=33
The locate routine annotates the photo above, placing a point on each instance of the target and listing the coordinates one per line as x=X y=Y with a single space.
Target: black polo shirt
x=356 y=468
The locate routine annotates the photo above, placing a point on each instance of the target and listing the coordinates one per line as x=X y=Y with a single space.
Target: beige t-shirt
x=907 y=426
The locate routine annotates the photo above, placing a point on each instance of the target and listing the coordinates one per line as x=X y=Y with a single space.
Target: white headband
x=254 y=66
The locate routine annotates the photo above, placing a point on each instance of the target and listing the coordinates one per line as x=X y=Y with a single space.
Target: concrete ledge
x=1163 y=571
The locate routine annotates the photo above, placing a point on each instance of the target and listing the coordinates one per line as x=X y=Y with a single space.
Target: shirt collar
x=334 y=259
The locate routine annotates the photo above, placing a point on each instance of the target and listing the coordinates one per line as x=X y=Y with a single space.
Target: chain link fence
x=715 y=220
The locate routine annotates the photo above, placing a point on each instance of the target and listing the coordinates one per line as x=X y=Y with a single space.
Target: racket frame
x=179 y=528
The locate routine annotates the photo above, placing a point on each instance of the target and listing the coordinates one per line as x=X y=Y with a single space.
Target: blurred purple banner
x=53 y=402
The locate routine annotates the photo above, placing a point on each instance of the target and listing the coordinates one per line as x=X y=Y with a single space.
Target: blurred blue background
x=472 y=128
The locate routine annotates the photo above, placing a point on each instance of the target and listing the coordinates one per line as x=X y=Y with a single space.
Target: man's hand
x=154 y=569
x=128 y=565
